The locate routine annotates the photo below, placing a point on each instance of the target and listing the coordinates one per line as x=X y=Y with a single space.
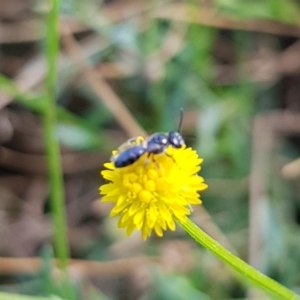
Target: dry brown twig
x=36 y=163
x=211 y=17
x=32 y=30
x=172 y=44
x=105 y=93
x=29 y=30
x=76 y=268
x=292 y=169
x=261 y=159
x=34 y=71
x=264 y=129
x=289 y=123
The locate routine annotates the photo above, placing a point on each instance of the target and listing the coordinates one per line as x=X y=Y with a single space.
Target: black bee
x=157 y=143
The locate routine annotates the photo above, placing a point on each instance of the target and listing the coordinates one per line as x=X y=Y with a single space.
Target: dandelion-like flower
x=155 y=191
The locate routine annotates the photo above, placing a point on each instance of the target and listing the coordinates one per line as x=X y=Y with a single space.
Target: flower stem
x=248 y=272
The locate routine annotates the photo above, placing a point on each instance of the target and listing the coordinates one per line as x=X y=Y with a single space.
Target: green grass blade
x=9 y=296
x=53 y=150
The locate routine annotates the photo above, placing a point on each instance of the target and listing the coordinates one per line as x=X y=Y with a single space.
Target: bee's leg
x=171 y=157
x=175 y=162
x=156 y=163
x=147 y=160
x=151 y=156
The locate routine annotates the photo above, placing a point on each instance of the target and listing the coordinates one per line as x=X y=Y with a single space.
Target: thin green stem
x=9 y=296
x=53 y=150
x=248 y=272
x=57 y=194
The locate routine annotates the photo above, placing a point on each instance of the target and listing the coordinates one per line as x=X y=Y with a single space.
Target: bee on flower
x=153 y=182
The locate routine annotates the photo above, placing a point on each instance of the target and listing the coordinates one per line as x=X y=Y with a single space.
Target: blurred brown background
x=126 y=67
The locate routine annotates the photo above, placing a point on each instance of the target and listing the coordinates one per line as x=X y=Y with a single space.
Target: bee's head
x=175 y=139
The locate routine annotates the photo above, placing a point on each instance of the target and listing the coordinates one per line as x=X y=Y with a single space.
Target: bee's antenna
x=180 y=120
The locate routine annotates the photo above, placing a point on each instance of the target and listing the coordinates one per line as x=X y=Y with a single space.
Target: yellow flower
x=155 y=191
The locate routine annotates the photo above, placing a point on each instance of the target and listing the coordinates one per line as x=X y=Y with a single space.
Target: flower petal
x=154 y=191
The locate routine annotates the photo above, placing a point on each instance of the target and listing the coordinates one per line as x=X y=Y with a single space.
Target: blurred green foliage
x=222 y=134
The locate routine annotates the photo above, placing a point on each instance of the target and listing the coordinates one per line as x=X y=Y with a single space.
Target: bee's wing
x=130 y=143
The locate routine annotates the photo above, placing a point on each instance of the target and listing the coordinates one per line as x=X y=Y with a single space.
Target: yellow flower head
x=154 y=191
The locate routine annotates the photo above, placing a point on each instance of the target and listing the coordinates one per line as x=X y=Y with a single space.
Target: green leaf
x=77 y=137
x=175 y=287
